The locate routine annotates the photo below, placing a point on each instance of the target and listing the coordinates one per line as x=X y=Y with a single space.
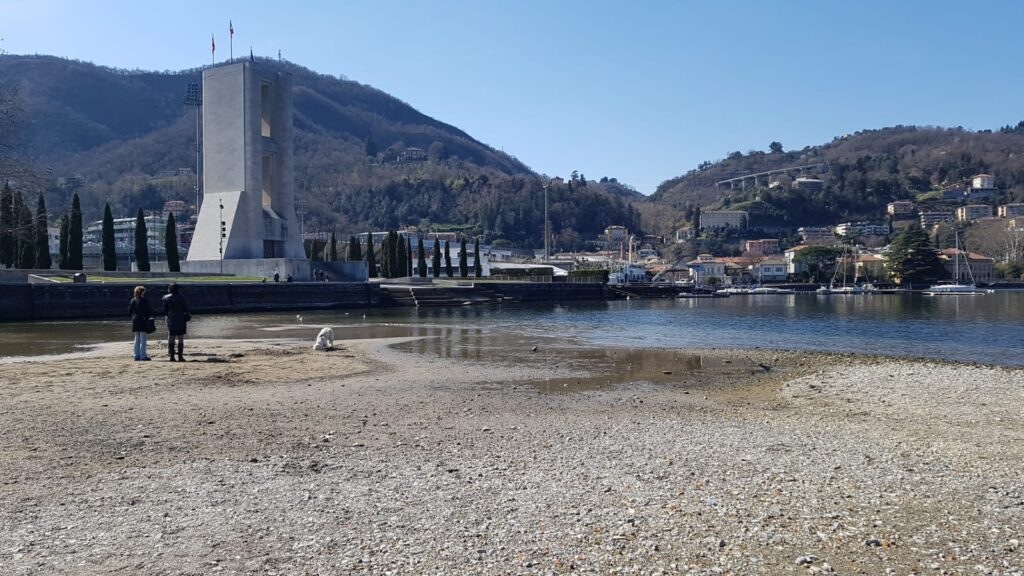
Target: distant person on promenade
x=176 y=310
x=140 y=313
x=277 y=277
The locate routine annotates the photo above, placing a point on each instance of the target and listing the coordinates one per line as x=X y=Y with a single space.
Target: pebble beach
x=265 y=457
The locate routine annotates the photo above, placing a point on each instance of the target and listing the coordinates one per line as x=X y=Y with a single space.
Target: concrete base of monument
x=299 y=270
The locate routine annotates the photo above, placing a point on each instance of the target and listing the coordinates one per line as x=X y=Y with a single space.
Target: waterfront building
x=870 y=267
x=982 y=268
x=721 y=219
x=770 y=270
x=793 y=265
x=972 y=212
x=705 y=267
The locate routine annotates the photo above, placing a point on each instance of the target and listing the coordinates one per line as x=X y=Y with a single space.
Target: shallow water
x=988 y=329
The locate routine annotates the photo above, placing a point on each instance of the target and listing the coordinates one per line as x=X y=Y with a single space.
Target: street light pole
x=223 y=231
x=547 y=253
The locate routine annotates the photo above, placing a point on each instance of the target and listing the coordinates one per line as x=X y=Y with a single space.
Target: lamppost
x=223 y=233
x=547 y=254
x=194 y=97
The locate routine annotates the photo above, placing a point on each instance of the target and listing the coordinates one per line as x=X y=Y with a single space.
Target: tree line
x=25 y=238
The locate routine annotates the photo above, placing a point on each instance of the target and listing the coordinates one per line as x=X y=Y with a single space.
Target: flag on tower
x=213 y=45
x=231 y=29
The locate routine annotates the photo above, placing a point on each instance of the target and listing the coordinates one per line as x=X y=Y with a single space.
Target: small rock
x=873 y=542
x=805 y=560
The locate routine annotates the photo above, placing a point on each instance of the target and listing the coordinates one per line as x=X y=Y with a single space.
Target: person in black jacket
x=140 y=313
x=176 y=310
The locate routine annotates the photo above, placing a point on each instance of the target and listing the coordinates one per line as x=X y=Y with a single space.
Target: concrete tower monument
x=248 y=209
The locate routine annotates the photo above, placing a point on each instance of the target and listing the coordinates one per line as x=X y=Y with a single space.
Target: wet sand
x=477 y=453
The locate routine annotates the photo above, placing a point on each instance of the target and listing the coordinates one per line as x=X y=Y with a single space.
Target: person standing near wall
x=140 y=313
x=176 y=311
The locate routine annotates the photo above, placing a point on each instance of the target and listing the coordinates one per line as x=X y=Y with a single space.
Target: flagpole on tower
x=231 y=39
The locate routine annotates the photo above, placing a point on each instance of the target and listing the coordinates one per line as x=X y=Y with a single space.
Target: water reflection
x=986 y=328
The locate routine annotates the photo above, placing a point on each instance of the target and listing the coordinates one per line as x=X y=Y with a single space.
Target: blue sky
x=641 y=91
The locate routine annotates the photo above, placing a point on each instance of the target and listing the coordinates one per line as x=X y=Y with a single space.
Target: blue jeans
x=141 y=338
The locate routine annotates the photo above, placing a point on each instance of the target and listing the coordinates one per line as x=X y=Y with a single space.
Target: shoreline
x=265 y=456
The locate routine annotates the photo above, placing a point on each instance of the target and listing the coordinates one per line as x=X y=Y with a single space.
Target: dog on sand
x=324 y=340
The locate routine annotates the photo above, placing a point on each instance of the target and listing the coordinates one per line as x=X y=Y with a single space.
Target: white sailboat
x=957 y=289
x=844 y=288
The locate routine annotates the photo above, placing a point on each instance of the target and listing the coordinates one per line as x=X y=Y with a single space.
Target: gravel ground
x=268 y=458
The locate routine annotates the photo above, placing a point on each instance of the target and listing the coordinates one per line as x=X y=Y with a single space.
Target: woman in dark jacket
x=140 y=313
x=176 y=310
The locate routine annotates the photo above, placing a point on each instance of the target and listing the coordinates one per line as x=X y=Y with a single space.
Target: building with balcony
x=817 y=236
x=762 y=247
x=972 y=212
x=1011 y=210
x=929 y=219
x=862 y=229
x=900 y=208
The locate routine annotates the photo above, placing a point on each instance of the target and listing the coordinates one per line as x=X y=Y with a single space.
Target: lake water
x=988 y=329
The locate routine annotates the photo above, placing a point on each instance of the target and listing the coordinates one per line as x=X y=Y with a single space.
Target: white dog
x=324 y=340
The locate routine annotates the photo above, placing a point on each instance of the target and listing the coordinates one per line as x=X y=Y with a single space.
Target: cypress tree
x=447 y=259
x=75 y=235
x=354 y=253
x=333 y=254
x=171 y=245
x=43 y=261
x=408 y=257
x=371 y=259
x=109 y=249
x=62 y=257
x=25 y=256
x=141 y=243
x=385 y=256
x=403 y=258
x=7 y=226
x=437 y=258
x=463 y=264
x=421 y=257
x=478 y=268
x=393 y=259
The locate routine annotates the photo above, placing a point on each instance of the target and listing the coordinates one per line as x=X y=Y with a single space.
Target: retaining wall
x=549 y=291
x=75 y=301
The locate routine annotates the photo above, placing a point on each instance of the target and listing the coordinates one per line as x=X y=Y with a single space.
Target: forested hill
x=862 y=173
x=126 y=134
x=76 y=106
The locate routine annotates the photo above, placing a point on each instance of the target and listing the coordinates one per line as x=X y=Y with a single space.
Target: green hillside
x=862 y=172
x=126 y=134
